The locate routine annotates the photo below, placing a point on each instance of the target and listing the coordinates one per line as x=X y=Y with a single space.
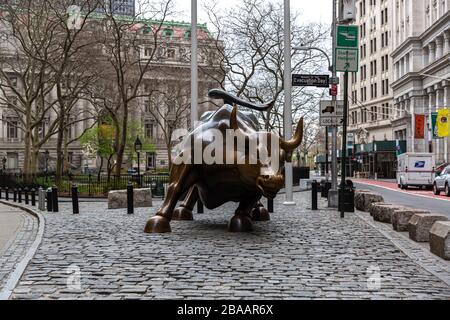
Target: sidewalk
x=299 y=254
x=18 y=231
x=10 y=223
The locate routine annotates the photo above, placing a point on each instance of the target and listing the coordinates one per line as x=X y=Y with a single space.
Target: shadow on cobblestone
x=299 y=254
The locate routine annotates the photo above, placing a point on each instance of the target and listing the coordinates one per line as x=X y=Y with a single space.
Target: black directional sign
x=308 y=80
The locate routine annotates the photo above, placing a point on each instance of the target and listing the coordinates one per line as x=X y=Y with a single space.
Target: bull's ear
x=233 y=119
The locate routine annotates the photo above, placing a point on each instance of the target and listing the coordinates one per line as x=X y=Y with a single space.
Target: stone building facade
x=370 y=95
x=421 y=59
x=171 y=70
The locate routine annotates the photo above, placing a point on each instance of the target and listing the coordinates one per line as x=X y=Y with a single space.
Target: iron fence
x=88 y=185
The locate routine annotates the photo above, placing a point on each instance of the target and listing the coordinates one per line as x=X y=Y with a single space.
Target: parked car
x=441 y=168
x=132 y=172
x=442 y=182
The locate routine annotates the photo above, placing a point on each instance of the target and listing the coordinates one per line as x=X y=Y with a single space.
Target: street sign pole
x=194 y=64
x=332 y=195
x=344 y=145
x=288 y=100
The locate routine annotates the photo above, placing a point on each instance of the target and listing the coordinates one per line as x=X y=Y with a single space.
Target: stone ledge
x=382 y=212
x=364 y=199
x=440 y=239
x=420 y=225
x=401 y=217
x=118 y=199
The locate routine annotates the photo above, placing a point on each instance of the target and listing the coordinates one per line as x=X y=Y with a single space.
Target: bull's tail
x=231 y=99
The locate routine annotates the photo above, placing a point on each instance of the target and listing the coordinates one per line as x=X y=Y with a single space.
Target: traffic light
x=333 y=90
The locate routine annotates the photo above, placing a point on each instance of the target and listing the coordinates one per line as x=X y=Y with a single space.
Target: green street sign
x=347 y=60
x=347 y=36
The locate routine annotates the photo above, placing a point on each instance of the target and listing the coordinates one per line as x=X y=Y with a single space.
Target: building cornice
x=422 y=74
x=409 y=41
x=442 y=22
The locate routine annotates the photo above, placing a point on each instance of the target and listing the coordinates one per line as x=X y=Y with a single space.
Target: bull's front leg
x=242 y=220
x=260 y=213
x=182 y=177
x=184 y=212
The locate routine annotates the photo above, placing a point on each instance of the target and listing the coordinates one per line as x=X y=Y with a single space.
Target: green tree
x=134 y=130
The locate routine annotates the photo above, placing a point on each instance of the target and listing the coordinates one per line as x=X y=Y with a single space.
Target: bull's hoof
x=260 y=214
x=158 y=224
x=183 y=214
x=240 y=223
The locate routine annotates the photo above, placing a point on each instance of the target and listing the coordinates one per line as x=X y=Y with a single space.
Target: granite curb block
x=420 y=225
x=365 y=198
x=15 y=276
x=401 y=218
x=382 y=212
x=440 y=239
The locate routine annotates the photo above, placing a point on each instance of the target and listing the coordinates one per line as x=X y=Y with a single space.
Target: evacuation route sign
x=347 y=36
x=347 y=60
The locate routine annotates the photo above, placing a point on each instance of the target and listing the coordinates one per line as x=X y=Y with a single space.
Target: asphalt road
x=412 y=198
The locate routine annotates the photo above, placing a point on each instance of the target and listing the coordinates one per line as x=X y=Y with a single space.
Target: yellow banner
x=443 y=123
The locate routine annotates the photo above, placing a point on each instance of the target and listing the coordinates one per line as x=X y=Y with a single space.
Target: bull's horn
x=233 y=119
x=296 y=140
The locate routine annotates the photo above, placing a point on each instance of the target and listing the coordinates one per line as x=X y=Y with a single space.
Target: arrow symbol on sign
x=347 y=66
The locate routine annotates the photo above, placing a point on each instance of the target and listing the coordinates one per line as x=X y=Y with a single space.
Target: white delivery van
x=415 y=170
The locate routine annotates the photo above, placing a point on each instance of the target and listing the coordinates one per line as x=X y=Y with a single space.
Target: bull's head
x=269 y=182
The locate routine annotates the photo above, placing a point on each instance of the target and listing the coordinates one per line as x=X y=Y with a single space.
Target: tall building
x=122 y=7
x=421 y=59
x=370 y=94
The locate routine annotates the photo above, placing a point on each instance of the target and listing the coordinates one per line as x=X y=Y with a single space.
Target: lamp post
x=138 y=149
x=4 y=163
x=46 y=154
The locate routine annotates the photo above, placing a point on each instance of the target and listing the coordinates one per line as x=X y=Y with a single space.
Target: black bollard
x=314 y=195
x=200 y=207
x=270 y=205
x=20 y=195
x=7 y=194
x=55 y=199
x=75 y=205
x=15 y=195
x=27 y=199
x=130 y=198
x=49 y=200
x=33 y=197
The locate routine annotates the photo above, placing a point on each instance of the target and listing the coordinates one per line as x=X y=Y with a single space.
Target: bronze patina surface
x=218 y=184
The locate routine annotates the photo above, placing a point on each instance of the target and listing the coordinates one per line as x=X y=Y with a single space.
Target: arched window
x=168 y=33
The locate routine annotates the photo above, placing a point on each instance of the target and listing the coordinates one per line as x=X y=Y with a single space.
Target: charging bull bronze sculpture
x=217 y=183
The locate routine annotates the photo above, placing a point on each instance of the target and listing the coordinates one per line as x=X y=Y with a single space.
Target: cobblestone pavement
x=19 y=240
x=300 y=254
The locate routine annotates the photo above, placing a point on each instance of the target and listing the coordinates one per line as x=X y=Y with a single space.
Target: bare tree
x=250 y=41
x=130 y=47
x=43 y=70
x=170 y=110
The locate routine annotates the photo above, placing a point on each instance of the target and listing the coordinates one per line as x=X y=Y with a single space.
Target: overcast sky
x=310 y=10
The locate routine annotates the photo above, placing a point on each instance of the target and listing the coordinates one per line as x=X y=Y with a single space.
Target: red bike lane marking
x=393 y=187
